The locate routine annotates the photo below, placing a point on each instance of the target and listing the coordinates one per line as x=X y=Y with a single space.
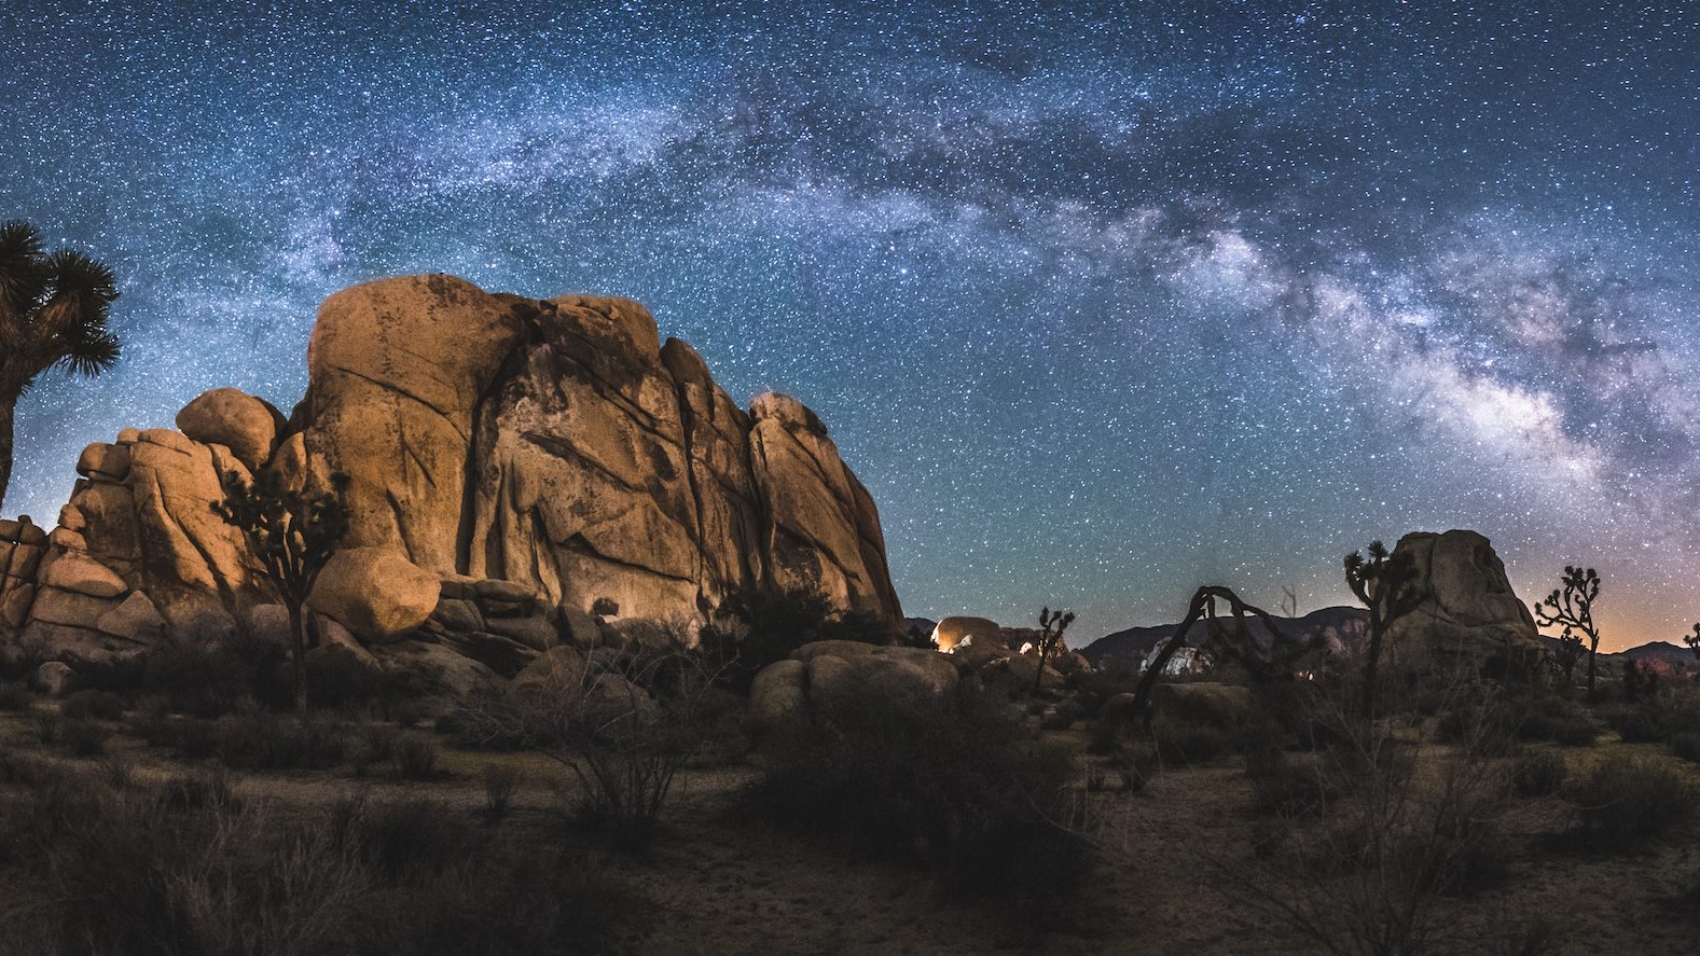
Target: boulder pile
x=516 y=468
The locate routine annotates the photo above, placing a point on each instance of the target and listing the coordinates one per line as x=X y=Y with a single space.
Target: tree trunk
x=298 y=637
x=1039 y=675
x=8 y=403
x=1372 y=661
x=1592 y=650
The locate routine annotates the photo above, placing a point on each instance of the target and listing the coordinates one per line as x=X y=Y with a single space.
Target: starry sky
x=1103 y=301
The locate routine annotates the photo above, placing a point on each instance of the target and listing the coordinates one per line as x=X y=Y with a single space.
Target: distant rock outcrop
x=1464 y=604
x=556 y=448
x=1342 y=630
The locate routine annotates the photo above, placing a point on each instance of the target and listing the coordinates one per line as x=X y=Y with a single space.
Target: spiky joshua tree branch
x=1380 y=583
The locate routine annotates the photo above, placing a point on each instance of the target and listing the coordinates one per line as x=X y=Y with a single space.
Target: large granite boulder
x=580 y=467
x=823 y=529
x=1461 y=604
x=396 y=369
x=952 y=633
x=824 y=678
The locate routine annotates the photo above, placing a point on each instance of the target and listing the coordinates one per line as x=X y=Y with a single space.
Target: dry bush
x=623 y=730
x=414 y=756
x=956 y=784
x=1539 y=774
x=501 y=782
x=1627 y=802
x=187 y=870
x=1373 y=836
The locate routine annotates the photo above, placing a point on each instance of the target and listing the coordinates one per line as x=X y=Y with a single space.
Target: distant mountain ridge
x=1347 y=626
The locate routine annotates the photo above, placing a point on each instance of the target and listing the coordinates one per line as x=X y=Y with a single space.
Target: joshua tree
x=1050 y=639
x=1573 y=610
x=53 y=308
x=1693 y=642
x=1203 y=605
x=1570 y=650
x=1380 y=584
x=293 y=534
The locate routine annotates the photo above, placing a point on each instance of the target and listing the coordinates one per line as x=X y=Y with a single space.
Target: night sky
x=1103 y=302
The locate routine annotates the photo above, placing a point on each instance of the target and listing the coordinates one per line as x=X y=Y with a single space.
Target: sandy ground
x=718 y=884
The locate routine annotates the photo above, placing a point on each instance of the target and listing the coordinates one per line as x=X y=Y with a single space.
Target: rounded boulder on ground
x=375 y=592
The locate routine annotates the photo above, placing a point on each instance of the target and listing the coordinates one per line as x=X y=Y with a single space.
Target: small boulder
x=136 y=619
x=557 y=671
x=54 y=678
x=375 y=592
x=80 y=574
x=534 y=631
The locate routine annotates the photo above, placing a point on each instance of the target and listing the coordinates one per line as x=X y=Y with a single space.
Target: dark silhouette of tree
x=1569 y=652
x=53 y=309
x=293 y=534
x=1693 y=642
x=1381 y=585
x=1573 y=609
x=1237 y=642
x=1050 y=639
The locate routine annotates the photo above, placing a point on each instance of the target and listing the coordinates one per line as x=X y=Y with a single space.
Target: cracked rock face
x=556 y=444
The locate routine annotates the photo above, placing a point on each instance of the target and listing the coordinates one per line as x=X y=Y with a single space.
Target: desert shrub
x=197 y=739
x=83 y=737
x=15 y=696
x=208 y=681
x=1657 y=717
x=1185 y=742
x=338 y=680
x=47 y=725
x=1627 y=802
x=1363 y=857
x=414 y=756
x=1686 y=745
x=955 y=784
x=93 y=704
x=185 y=869
x=369 y=744
x=256 y=738
x=1554 y=719
x=19 y=661
x=756 y=626
x=1539 y=774
x=1064 y=714
x=623 y=733
x=1282 y=787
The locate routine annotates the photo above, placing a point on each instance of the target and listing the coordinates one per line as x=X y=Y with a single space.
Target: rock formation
x=1465 y=604
x=554 y=451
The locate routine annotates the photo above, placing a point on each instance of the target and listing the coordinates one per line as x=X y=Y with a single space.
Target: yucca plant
x=53 y=312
